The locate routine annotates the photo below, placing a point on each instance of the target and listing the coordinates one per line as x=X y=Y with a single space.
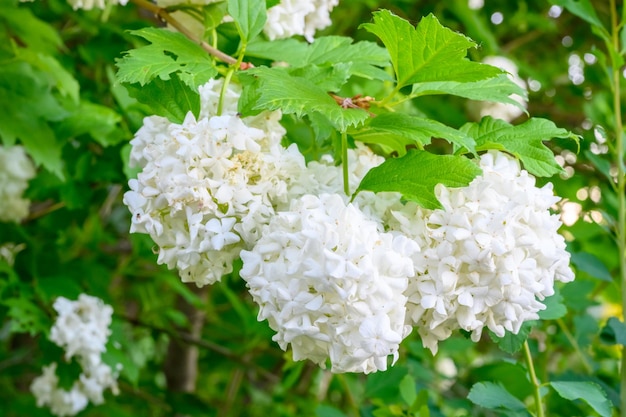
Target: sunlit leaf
x=524 y=141
x=168 y=53
x=415 y=175
x=249 y=17
x=399 y=130
x=428 y=53
x=494 y=396
x=588 y=391
x=278 y=90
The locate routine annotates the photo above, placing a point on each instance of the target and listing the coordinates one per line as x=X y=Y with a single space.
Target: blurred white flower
x=94 y=4
x=504 y=111
x=16 y=169
x=82 y=329
x=298 y=17
x=208 y=185
x=331 y=284
x=488 y=258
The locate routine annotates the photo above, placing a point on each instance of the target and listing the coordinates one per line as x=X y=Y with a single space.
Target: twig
x=164 y=15
x=214 y=347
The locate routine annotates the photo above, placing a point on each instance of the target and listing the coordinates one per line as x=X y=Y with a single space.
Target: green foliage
x=589 y=392
x=496 y=397
x=168 y=53
x=249 y=17
x=415 y=175
x=298 y=95
x=396 y=132
x=524 y=141
x=62 y=100
x=427 y=53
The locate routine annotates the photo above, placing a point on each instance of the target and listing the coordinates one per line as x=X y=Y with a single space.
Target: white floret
x=331 y=284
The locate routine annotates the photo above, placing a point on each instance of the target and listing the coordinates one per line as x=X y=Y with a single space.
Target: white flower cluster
x=488 y=258
x=342 y=281
x=208 y=185
x=16 y=169
x=82 y=329
x=298 y=17
x=331 y=284
x=504 y=111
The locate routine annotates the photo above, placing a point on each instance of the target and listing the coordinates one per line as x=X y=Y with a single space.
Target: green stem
x=229 y=75
x=621 y=182
x=344 y=162
x=575 y=345
x=533 y=380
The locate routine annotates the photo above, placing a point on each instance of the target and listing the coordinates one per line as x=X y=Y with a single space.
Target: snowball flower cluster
x=16 y=169
x=504 y=111
x=488 y=258
x=208 y=185
x=82 y=329
x=298 y=17
x=331 y=284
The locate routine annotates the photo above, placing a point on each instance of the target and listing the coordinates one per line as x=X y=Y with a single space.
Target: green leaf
x=524 y=141
x=328 y=411
x=494 y=396
x=592 y=265
x=30 y=30
x=590 y=392
x=168 y=53
x=398 y=130
x=365 y=58
x=496 y=89
x=249 y=17
x=510 y=342
x=99 y=121
x=428 y=53
x=408 y=390
x=26 y=107
x=27 y=317
x=278 y=90
x=415 y=175
x=328 y=78
x=581 y=8
x=384 y=385
x=172 y=99
x=555 y=309
x=57 y=76
x=614 y=332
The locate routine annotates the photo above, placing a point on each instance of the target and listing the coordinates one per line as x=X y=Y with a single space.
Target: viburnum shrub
x=302 y=165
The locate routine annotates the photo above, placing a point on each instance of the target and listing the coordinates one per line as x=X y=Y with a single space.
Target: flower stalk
x=533 y=379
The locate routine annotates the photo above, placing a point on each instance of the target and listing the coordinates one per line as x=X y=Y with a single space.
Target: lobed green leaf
x=428 y=53
x=278 y=90
x=524 y=141
x=168 y=53
x=396 y=131
x=365 y=58
x=249 y=17
x=416 y=174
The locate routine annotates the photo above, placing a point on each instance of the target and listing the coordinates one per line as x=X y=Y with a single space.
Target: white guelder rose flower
x=82 y=329
x=208 y=185
x=15 y=170
x=331 y=284
x=298 y=17
x=488 y=258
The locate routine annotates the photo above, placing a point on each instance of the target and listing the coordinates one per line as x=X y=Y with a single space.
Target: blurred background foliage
x=76 y=238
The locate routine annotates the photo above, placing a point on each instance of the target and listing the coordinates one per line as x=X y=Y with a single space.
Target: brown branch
x=181 y=363
x=214 y=347
x=164 y=15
